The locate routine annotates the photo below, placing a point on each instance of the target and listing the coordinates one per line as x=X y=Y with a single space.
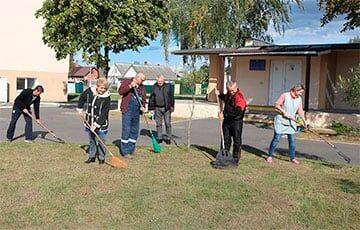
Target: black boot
x=237 y=155
x=90 y=160
x=101 y=162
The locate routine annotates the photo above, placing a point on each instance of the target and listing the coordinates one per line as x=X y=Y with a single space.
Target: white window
x=25 y=83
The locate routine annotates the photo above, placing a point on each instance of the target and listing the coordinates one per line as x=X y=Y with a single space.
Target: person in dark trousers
x=22 y=106
x=233 y=114
x=162 y=101
x=96 y=102
x=132 y=105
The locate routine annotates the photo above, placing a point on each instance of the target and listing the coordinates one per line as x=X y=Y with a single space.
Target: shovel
x=223 y=157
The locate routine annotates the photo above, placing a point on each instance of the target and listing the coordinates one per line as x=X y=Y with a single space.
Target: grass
x=49 y=186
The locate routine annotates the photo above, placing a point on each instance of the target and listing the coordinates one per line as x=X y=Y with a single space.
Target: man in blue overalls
x=132 y=105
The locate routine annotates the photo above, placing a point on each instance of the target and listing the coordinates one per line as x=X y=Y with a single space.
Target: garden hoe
x=300 y=122
x=46 y=128
x=114 y=161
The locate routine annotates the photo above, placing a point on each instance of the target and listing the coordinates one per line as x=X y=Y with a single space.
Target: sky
x=304 y=29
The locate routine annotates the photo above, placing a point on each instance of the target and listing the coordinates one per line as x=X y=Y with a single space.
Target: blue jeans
x=275 y=141
x=16 y=113
x=130 y=127
x=95 y=146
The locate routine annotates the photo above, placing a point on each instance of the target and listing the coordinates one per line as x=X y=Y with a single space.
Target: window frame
x=26 y=85
x=257 y=64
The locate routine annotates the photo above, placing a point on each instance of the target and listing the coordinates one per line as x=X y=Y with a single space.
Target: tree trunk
x=192 y=108
x=106 y=62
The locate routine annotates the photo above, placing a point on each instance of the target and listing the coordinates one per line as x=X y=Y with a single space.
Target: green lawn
x=48 y=186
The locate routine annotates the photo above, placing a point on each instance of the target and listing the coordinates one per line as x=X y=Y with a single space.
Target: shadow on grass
x=37 y=135
x=285 y=152
x=213 y=152
x=316 y=159
x=255 y=151
x=146 y=132
x=349 y=186
x=204 y=149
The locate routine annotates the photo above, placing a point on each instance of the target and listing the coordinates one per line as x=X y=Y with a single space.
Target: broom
x=45 y=128
x=340 y=153
x=114 y=161
x=155 y=144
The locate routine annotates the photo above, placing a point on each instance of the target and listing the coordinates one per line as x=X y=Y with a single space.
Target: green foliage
x=334 y=8
x=196 y=76
x=225 y=23
x=350 y=86
x=345 y=129
x=96 y=27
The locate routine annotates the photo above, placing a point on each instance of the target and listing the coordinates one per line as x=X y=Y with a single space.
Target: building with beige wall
x=25 y=60
x=264 y=71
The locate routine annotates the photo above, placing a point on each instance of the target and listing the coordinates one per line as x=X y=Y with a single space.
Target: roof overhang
x=272 y=50
x=306 y=53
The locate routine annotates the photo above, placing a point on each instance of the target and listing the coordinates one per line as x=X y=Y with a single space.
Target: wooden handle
x=97 y=136
x=44 y=127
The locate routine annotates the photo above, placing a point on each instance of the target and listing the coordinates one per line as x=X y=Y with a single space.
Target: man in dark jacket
x=22 y=106
x=132 y=104
x=162 y=101
x=233 y=114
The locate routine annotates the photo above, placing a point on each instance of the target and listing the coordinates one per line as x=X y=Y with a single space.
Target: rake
x=45 y=128
x=156 y=146
x=338 y=151
x=114 y=161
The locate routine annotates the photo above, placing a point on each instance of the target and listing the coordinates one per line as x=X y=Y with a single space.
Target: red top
x=125 y=91
x=239 y=100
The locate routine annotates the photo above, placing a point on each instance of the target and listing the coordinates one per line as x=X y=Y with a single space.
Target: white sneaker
x=29 y=141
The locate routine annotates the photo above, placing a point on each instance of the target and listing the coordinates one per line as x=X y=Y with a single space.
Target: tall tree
x=96 y=27
x=334 y=8
x=225 y=23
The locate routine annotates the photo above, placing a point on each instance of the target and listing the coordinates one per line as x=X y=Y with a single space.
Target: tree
x=225 y=23
x=350 y=86
x=334 y=8
x=190 y=80
x=96 y=27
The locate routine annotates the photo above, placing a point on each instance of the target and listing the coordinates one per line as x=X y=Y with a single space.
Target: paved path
x=256 y=138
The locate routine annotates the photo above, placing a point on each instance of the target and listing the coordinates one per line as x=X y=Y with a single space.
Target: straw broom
x=113 y=161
